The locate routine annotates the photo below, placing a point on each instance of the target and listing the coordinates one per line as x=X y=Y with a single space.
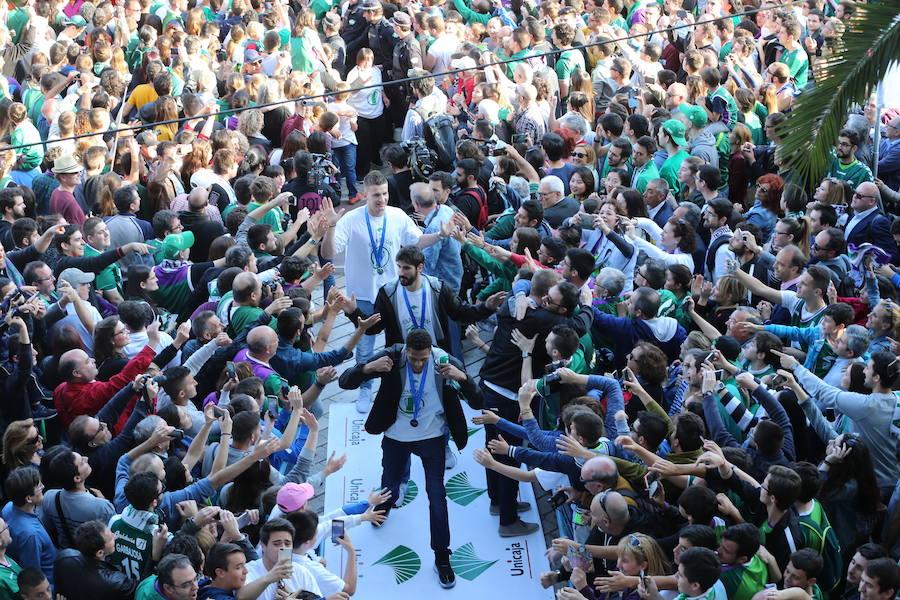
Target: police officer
x=381 y=36
x=354 y=32
x=407 y=55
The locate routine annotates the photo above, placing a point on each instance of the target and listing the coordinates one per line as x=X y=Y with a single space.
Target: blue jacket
x=889 y=163
x=443 y=260
x=664 y=332
x=31 y=545
x=762 y=217
x=292 y=363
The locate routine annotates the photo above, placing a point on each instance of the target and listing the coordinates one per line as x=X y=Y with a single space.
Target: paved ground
x=473 y=357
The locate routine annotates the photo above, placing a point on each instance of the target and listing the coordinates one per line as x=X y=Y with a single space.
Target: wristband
x=319 y=385
x=526 y=354
x=313 y=242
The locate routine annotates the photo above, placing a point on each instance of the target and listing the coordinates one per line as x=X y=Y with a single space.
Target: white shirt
x=73 y=319
x=302 y=579
x=368 y=103
x=328 y=582
x=441 y=50
x=415 y=304
x=351 y=236
x=348 y=136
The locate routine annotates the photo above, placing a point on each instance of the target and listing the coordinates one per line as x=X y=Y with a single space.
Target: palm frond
x=870 y=45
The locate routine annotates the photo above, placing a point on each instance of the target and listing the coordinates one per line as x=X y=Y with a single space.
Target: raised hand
x=486 y=417
x=380 y=365
x=369 y=322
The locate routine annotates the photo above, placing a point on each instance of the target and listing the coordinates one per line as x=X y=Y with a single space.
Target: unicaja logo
x=466 y=563
x=403 y=561
x=461 y=491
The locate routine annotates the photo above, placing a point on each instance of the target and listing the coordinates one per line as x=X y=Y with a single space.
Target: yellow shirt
x=142 y=94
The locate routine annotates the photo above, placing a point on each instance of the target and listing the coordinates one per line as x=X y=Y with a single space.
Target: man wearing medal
x=369 y=237
x=418 y=400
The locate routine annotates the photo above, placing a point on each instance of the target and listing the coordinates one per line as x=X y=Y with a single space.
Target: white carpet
x=396 y=561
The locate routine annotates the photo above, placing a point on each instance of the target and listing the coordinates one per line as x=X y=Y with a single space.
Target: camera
x=552 y=377
x=269 y=288
x=422 y=160
x=558 y=499
x=318 y=176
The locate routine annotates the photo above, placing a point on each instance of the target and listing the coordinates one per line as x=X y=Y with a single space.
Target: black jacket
x=447 y=307
x=387 y=401
x=503 y=364
x=205 y=232
x=79 y=577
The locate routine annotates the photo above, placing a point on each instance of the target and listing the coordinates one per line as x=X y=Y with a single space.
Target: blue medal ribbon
x=417 y=394
x=416 y=324
x=376 y=252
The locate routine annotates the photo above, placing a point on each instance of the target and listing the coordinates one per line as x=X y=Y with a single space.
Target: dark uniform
x=407 y=55
x=355 y=34
x=381 y=41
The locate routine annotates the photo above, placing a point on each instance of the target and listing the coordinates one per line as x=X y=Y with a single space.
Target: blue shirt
x=443 y=260
x=31 y=545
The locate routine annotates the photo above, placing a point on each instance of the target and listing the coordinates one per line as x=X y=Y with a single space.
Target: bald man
x=601 y=474
x=868 y=223
x=81 y=394
x=248 y=294
x=198 y=220
x=262 y=343
x=676 y=95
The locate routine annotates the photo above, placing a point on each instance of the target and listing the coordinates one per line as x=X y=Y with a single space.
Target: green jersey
x=642 y=175
x=9 y=580
x=743 y=581
x=670 y=168
x=134 y=541
x=146 y=590
x=273 y=217
x=798 y=62
x=109 y=278
x=855 y=173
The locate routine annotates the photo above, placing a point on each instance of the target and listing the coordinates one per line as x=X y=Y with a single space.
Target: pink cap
x=294 y=496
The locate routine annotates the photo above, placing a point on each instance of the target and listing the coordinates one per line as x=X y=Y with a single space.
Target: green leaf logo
x=472 y=431
x=403 y=561
x=412 y=490
x=466 y=563
x=461 y=491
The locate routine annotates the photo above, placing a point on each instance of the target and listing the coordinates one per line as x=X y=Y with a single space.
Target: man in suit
x=655 y=196
x=419 y=399
x=868 y=223
x=889 y=155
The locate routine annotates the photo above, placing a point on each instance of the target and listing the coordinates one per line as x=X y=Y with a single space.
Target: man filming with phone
x=275 y=576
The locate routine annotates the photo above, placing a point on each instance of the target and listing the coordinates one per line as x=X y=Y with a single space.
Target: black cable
x=400 y=81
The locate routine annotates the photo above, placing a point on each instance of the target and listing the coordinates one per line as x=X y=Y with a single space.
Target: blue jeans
x=366 y=346
x=345 y=157
x=395 y=457
x=329 y=281
x=503 y=491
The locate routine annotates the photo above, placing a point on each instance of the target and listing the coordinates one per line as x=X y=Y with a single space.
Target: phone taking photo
x=337 y=530
x=284 y=554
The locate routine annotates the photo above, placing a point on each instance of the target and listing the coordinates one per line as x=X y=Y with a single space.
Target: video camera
x=488 y=146
x=422 y=159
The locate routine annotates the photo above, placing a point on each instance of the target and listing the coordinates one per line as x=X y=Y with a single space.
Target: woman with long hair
x=728 y=292
x=110 y=339
x=738 y=168
x=166 y=110
x=638 y=554
x=766 y=204
x=676 y=244
x=833 y=191
x=109 y=183
x=22 y=445
x=160 y=190
x=791 y=231
x=198 y=158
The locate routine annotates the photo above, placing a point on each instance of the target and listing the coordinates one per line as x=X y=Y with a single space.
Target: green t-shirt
x=568 y=62
x=15 y=21
x=133 y=548
x=798 y=62
x=242 y=316
x=670 y=168
x=644 y=175
x=109 y=278
x=31 y=156
x=274 y=217
x=302 y=52
x=9 y=580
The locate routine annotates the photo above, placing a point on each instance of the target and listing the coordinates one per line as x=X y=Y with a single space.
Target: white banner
x=396 y=560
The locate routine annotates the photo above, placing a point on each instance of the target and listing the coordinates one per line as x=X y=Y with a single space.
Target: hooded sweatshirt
x=703 y=145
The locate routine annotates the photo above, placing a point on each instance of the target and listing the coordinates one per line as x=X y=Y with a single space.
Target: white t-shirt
x=351 y=237
x=73 y=319
x=442 y=49
x=430 y=418
x=302 y=579
x=368 y=103
x=328 y=582
x=348 y=136
x=415 y=303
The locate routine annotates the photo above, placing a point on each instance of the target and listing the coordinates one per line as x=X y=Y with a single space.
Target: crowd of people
x=691 y=350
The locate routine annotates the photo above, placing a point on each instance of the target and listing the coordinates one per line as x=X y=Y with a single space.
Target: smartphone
x=558 y=499
x=284 y=554
x=337 y=530
x=616 y=375
x=243 y=520
x=177 y=434
x=229 y=367
x=718 y=373
x=518 y=138
x=272 y=406
x=587 y=221
x=632 y=100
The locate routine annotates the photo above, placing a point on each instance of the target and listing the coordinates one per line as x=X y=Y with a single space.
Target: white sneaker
x=449 y=458
x=401 y=494
x=364 y=401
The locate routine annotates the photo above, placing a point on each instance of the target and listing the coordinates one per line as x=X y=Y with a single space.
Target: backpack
x=482 y=201
x=819 y=536
x=440 y=136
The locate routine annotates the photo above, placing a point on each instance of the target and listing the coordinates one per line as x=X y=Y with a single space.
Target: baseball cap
x=370 y=5
x=75 y=277
x=251 y=56
x=675 y=128
x=695 y=114
x=176 y=243
x=332 y=20
x=464 y=62
x=77 y=21
x=293 y=496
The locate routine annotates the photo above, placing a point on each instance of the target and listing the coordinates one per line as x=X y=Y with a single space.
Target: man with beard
x=844 y=165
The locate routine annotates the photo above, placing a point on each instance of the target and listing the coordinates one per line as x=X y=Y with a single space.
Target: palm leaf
x=869 y=47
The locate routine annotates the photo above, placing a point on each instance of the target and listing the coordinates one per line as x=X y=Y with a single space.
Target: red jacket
x=75 y=399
